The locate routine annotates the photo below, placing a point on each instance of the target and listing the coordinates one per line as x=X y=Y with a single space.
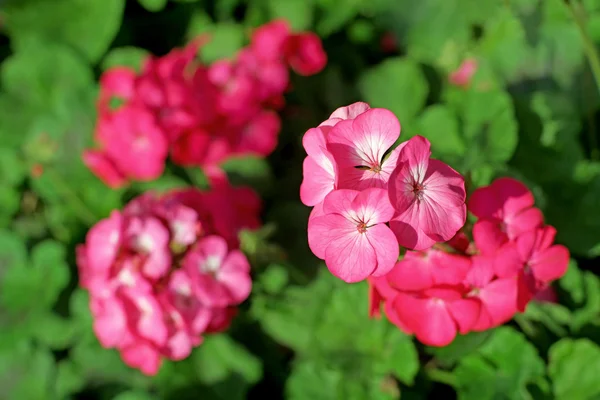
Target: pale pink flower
x=428 y=196
x=359 y=145
x=464 y=73
x=347 y=112
x=352 y=236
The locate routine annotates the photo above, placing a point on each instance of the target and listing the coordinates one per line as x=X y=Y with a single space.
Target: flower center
x=376 y=168
x=210 y=265
x=361 y=227
x=417 y=190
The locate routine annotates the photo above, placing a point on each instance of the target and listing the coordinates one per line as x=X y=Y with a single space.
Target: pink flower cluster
x=166 y=270
x=370 y=197
x=199 y=114
x=466 y=286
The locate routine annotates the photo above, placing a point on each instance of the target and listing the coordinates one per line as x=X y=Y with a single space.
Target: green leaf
x=225 y=40
x=274 y=279
x=299 y=13
x=134 y=395
x=47 y=276
x=69 y=379
x=153 y=5
x=54 y=331
x=572 y=368
x=503 y=366
x=13 y=253
x=439 y=124
x=397 y=84
x=220 y=359
x=488 y=126
x=461 y=347
x=127 y=56
x=87 y=25
x=251 y=171
x=26 y=372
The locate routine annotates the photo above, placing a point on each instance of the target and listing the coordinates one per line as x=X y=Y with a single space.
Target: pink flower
x=259 y=135
x=104 y=168
x=304 y=52
x=268 y=40
x=464 y=73
x=423 y=270
x=546 y=295
x=156 y=282
x=430 y=314
x=505 y=211
x=134 y=143
x=496 y=299
x=319 y=168
x=222 y=277
x=117 y=83
x=428 y=196
x=150 y=238
x=535 y=260
x=352 y=236
x=358 y=147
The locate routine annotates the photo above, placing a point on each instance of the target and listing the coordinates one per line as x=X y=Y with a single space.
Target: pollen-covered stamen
x=376 y=168
x=418 y=190
x=361 y=227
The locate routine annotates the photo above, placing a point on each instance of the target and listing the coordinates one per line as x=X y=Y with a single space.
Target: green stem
x=525 y=325
x=80 y=208
x=593 y=58
x=441 y=376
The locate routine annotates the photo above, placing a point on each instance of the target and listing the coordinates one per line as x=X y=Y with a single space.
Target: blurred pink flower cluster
x=198 y=114
x=467 y=286
x=168 y=269
x=370 y=197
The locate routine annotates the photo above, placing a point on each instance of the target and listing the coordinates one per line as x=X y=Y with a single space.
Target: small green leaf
x=225 y=40
x=299 y=13
x=251 y=171
x=69 y=379
x=573 y=366
x=153 y=5
x=128 y=56
x=439 y=124
x=397 y=84
x=274 y=279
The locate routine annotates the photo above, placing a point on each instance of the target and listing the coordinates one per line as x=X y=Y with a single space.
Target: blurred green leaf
x=134 y=395
x=299 y=13
x=439 y=124
x=219 y=358
x=274 y=279
x=572 y=366
x=250 y=171
x=397 y=84
x=87 y=25
x=26 y=372
x=127 y=56
x=153 y=5
x=225 y=40
x=502 y=366
x=461 y=347
x=68 y=379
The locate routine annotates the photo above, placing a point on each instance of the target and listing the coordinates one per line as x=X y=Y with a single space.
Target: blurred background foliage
x=531 y=112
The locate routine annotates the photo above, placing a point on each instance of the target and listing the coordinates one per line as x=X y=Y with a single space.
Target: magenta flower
x=221 y=277
x=464 y=73
x=428 y=196
x=422 y=270
x=359 y=145
x=304 y=53
x=150 y=238
x=535 y=260
x=352 y=236
x=505 y=210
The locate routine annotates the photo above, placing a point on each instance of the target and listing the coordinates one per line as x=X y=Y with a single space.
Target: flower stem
x=441 y=376
x=594 y=60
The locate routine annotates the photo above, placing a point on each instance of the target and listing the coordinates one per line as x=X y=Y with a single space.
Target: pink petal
x=364 y=140
x=488 y=236
x=350 y=257
x=550 y=264
x=373 y=206
x=235 y=274
x=324 y=229
x=429 y=318
x=386 y=248
x=103 y=242
x=466 y=313
x=104 y=168
x=481 y=272
x=110 y=322
x=317 y=181
x=508 y=261
x=525 y=221
x=350 y=112
x=142 y=356
x=411 y=274
x=341 y=202
x=500 y=300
